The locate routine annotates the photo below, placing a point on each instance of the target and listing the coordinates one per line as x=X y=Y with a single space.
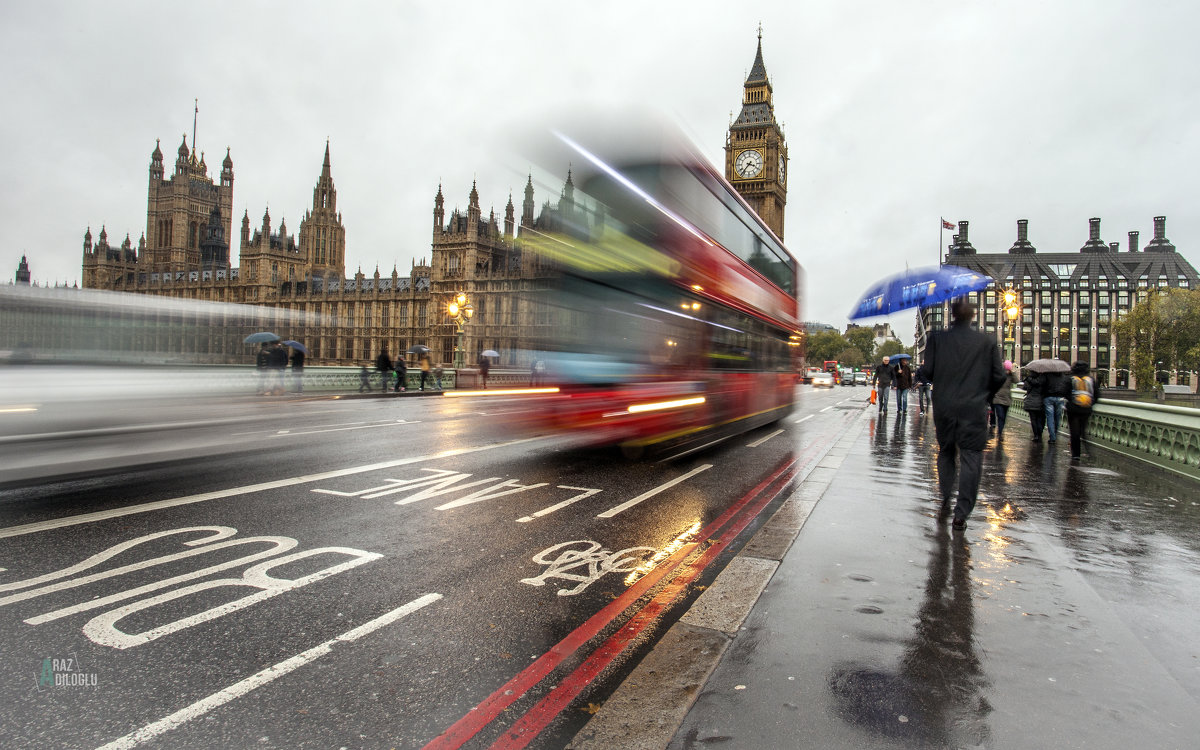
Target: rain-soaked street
x=1063 y=616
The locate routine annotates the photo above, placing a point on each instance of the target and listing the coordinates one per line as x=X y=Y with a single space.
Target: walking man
x=883 y=380
x=1084 y=395
x=383 y=363
x=1054 y=401
x=964 y=366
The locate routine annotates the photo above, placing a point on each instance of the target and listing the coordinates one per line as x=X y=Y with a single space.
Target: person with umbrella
x=964 y=366
x=262 y=363
x=904 y=382
x=401 y=375
x=485 y=365
x=1054 y=399
x=1034 y=407
x=298 y=353
x=277 y=365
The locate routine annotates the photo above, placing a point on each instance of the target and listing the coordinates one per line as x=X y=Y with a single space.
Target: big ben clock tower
x=755 y=153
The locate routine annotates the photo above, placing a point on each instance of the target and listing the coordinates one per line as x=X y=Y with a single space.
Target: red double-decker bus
x=676 y=317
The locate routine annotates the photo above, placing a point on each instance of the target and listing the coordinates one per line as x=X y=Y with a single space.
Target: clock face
x=782 y=173
x=748 y=164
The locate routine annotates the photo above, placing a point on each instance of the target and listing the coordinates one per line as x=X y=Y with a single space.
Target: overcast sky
x=895 y=114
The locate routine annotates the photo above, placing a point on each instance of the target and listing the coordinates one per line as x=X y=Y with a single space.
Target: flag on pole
x=947 y=224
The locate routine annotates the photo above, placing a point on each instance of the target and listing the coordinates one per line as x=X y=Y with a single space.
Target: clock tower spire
x=755 y=150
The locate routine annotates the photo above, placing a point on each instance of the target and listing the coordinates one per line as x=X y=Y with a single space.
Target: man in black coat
x=965 y=368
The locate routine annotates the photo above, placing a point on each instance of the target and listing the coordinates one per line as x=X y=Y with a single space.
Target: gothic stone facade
x=184 y=253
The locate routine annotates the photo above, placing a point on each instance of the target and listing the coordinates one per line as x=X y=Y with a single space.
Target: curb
x=650 y=705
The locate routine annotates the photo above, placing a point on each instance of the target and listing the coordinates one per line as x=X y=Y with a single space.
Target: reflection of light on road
x=663 y=554
x=508 y=392
x=997 y=543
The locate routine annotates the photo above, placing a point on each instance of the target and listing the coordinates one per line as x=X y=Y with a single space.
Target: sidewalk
x=1063 y=616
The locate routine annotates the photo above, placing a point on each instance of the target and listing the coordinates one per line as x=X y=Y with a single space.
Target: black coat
x=1057 y=384
x=965 y=368
x=1034 y=382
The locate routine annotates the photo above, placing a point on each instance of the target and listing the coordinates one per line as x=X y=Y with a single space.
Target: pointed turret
x=509 y=217
x=181 y=162
x=156 y=162
x=527 y=205
x=87 y=241
x=22 y=276
x=246 y=228
x=324 y=194
x=439 y=211
x=227 y=169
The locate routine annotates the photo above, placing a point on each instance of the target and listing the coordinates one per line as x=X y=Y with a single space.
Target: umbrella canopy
x=1048 y=365
x=917 y=288
x=296 y=345
x=490 y=353
x=894 y=357
x=260 y=337
x=418 y=349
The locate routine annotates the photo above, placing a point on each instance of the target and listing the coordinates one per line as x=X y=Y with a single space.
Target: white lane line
x=760 y=441
x=58 y=523
x=827 y=408
x=802 y=419
x=584 y=492
x=630 y=503
x=340 y=429
x=257 y=680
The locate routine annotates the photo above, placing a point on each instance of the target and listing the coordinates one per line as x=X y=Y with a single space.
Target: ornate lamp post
x=1012 y=311
x=460 y=311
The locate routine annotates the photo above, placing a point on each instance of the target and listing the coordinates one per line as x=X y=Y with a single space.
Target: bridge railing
x=1166 y=436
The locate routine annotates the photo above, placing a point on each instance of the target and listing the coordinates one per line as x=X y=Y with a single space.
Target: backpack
x=1081 y=392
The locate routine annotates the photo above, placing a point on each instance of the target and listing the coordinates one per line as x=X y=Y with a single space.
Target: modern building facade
x=1067 y=302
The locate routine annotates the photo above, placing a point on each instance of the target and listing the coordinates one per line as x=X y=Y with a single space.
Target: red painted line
x=537 y=718
x=508 y=693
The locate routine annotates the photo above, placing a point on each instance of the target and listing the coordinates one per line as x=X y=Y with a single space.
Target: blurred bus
x=676 y=315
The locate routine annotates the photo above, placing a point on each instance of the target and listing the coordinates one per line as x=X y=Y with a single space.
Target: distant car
x=808 y=375
x=860 y=378
x=822 y=380
x=847 y=377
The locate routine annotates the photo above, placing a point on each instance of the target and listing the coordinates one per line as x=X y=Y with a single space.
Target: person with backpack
x=1084 y=395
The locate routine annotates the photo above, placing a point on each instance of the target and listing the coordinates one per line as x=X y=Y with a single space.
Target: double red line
x=720 y=533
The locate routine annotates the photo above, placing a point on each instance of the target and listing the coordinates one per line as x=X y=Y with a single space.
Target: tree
x=851 y=357
x=863 y=339
x=824 y=345
x=1163 y=327
x=890 y=347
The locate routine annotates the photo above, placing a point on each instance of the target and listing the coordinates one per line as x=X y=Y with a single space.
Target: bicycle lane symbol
x=584 y=562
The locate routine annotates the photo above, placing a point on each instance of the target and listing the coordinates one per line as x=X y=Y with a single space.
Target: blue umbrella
x=260 y=337
x=894 y=357
x=296 y=345
x=918 y=288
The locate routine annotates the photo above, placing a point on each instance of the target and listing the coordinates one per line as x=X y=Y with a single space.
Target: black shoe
x=944 y=511
x=959 y=523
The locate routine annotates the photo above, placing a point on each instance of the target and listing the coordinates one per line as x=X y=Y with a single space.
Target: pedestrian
x=883 y=377
x=383 y=363
x=922 y=391
x=485 y=364
x=904 y=382
x=1034 y=406
x=1085 y=392
x=1056 y=388
x=278 y=365
x=364 y=380
x=1002 y=400
x=401 y=374
x=437 y=376
x=426 y=366
x=298 y=369
x=262 y=363
x=964 y=366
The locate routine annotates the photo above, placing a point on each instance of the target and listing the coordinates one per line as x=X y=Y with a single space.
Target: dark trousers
x=1000 y=415
x=1037 y=422
x=1077 y=423
x=968 y=477
x=923 y=392
x=424 y=377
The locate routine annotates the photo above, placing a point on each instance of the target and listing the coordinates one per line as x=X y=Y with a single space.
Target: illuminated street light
x=460 y=311
x=1012 y=311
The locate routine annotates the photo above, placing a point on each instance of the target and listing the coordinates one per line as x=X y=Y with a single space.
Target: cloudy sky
x=895 y=114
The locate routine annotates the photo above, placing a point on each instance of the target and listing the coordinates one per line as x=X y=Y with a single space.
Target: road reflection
x=935 y=695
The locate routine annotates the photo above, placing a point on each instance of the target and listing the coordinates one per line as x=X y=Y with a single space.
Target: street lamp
x=1012 y=310
x=460 y=311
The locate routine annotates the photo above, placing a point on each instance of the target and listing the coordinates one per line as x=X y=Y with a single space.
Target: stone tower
x=755 y=151
x=322 y=235
x=179 y=208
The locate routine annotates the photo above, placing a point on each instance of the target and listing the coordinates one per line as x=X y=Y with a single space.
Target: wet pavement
x=1065 y=615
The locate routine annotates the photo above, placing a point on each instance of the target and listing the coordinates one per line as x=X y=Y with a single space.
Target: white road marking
x=645 y=495
x=584 y=492
x=84 y=518
x=802 y=419
x=760 y=441
x=827 y=408
x=390 y=423
x=238 y=689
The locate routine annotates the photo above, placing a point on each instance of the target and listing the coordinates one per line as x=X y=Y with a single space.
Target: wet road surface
x=1063 y=616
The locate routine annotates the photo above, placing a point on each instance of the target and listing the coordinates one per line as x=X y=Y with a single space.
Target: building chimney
x=1160 y=243
x=1133 y=242
x=1160 y=227
x=962 y=230
x=1114 y=246
x=1093 y=229
x=1094 y=243
x=1022 y=245
x=962 y=243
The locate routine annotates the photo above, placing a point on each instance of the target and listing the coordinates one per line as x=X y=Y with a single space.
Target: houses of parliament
x=185 y=253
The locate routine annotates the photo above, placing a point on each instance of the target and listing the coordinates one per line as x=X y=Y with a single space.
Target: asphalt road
x=364 y=573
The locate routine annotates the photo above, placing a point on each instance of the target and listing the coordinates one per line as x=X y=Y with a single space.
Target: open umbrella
x=1048 y=365
x=917 y=288
x=296 y=345
x=260 y=337
x=891 y=357
x=418 y=349
x=490 y=353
